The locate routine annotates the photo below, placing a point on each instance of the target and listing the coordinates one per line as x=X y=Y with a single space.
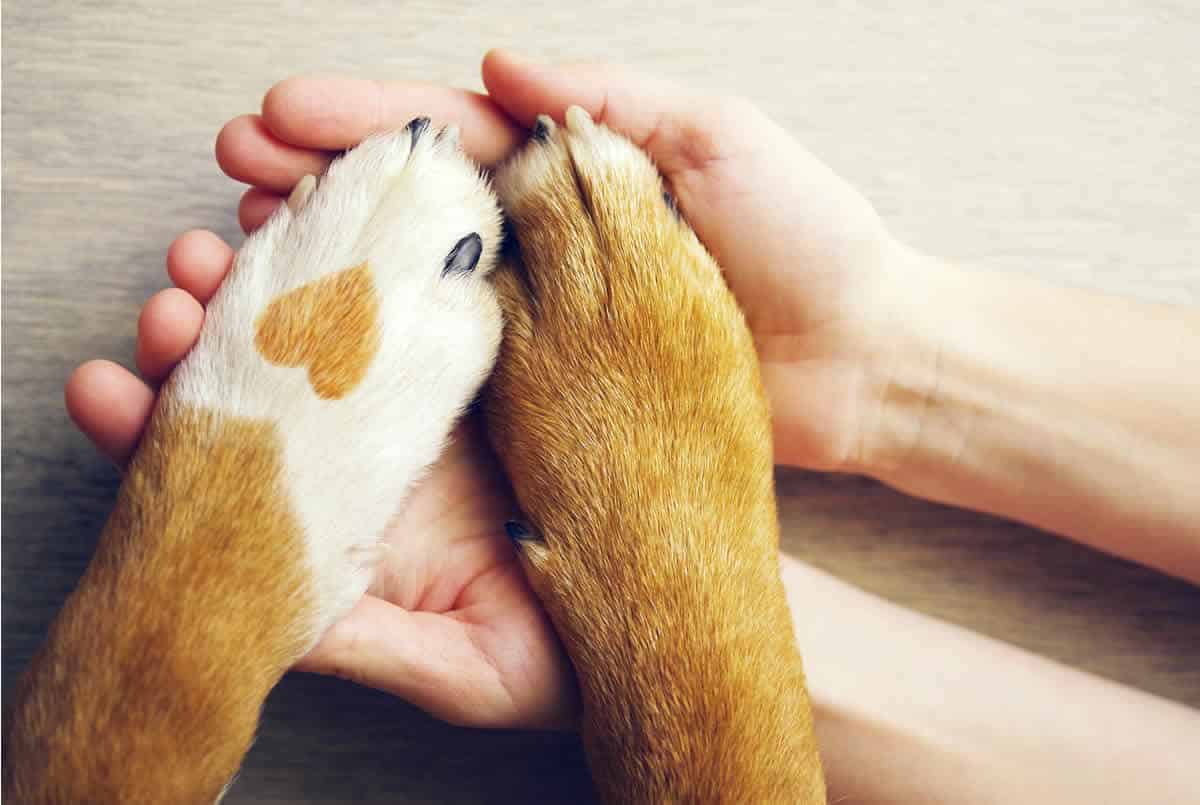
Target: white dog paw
x=356 y=326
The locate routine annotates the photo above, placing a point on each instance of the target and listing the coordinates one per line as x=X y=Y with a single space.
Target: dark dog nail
x=464 y=256
x=541 y=129
x=416 y=127
x=669 y=200
x=517 y=532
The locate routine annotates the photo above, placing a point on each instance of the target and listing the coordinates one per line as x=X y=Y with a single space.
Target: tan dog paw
x=627 y=408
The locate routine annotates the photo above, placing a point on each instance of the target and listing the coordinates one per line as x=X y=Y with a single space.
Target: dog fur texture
x=353 y=330
x=628 y=411
x=355 y=327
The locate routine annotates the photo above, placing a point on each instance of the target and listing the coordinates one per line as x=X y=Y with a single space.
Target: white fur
x=349 y=462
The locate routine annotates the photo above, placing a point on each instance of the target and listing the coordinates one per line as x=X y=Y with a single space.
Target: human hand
x=449 y=623
x=801 y=249
x=805 y=253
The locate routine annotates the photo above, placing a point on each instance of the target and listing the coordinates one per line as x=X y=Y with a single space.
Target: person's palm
x=450 y=623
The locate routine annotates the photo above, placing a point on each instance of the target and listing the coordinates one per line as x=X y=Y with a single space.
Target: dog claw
x=669 y=200
x=416 y=127
x=519 y=532
x=464 y=256
x=450 y=134
x=579 y=121
x=301 y=192
x=543 y=128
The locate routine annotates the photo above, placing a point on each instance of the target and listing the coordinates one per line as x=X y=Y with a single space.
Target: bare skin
x=853 y=388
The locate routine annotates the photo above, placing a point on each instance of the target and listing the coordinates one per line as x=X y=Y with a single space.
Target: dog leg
x=628 y=411
x=355 y=327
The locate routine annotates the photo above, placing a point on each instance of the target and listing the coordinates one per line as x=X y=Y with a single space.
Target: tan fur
x=329 y=326
x=628 y=410
x=151 y=680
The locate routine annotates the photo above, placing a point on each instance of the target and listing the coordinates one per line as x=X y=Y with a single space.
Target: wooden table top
x=1059 y=142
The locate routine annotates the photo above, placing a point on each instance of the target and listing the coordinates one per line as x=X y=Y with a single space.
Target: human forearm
x=910 y=709
x=1068 y=410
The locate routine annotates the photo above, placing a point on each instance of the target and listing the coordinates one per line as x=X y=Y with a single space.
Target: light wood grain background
x=1057 y=139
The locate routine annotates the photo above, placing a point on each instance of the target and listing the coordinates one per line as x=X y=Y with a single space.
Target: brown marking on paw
x=330 y=326
x=151 y=680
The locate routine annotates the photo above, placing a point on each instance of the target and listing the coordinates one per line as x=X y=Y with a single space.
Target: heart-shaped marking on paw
x=329 y=326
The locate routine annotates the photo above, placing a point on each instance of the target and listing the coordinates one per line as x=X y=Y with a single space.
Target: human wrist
x=825 y=375
x=930 y=375
x=1002 y=394
x=901 y=322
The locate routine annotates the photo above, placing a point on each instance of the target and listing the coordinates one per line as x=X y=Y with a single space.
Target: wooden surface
x=1062 y=142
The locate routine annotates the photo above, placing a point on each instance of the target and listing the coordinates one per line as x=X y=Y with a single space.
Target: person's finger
x=167 y=328
x=679 y=128
x=197 y=262
x=110 y=406
x=425 y=658
x=337 y=113
x=247 y=151
x=256 y=207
